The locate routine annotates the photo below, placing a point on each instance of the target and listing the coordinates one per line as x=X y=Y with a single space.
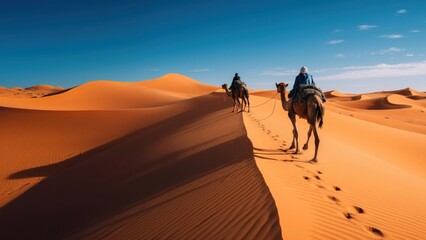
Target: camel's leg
x=305 y=147
x=238 y=103
x=293 y=144
x=317 y=141
x=243 y=105
x=243 y=100
x=295 y=133
x=248 y=102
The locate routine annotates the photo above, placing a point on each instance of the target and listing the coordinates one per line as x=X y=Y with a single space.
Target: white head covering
x=303 y=69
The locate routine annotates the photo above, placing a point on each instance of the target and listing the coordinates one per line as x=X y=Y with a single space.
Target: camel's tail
x=320 y=112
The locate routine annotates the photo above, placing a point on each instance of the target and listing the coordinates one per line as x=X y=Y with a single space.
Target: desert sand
x=166 y=159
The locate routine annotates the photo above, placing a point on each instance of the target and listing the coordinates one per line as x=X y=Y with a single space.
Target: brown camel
x=312 y=110
x=237 y=93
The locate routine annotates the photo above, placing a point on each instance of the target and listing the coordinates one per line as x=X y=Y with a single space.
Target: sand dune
x=405 y=92
x=393 y=101
x=15 y=93
x=267 y=94
x=44 y=89
x=30 y=92
x=380 y=108
x=336 y=96
x=166 y=159
x=109 y=95
x=168 y=171
x=177 y=83
x=98 y=95
x=355 y=191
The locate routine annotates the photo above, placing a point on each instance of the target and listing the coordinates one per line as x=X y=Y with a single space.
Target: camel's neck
x=284 y=99
x=227 y=91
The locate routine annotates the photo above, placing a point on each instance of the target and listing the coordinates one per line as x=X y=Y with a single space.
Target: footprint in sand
x=374 y=231
x=350 y=214
x=347 y=215
x=296 y=165
x=358 y=209
x=351 y=211
x=333 y=198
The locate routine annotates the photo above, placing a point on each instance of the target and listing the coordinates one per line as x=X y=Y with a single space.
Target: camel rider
x=235 y=81
x=303 y=79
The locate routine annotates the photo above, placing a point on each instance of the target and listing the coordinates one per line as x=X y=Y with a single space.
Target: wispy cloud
x=340 y=55
x=366 y=27
x=401 y=11
x=379 y=71
x=392 y=49
x=338 y=30
x=333 y=42
x=384 y=51
x=415 y=31
x=409 y=55
x=198 y=70
x=392 y=36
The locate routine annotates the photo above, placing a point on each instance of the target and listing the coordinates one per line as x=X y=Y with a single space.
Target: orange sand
x=166 y=159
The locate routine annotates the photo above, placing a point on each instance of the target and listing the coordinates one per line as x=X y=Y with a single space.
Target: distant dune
x=30 y=92
x=177 y=83
x=44 y=89
x=166 y=159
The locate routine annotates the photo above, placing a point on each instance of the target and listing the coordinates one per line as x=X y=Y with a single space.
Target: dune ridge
x=178 y=83
x=112 y=95
x=158 y=172
x=393 y=101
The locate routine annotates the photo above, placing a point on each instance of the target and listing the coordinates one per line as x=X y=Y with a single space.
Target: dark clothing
x=235 y=81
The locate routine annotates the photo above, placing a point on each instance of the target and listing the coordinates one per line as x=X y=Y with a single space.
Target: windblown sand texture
x=166 y=159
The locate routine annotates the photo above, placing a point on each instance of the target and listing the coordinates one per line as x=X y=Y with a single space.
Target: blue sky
x=352 y=46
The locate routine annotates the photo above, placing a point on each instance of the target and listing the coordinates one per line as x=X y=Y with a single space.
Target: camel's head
x=224 y=86
x=281 y=87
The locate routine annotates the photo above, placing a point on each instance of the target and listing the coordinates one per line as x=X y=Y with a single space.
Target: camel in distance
x=237 y=93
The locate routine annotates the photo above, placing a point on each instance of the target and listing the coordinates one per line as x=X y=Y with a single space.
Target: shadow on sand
x=82 y=192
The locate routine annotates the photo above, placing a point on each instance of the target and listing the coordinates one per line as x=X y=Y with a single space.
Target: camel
x=237 y=93
x=312 y=110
